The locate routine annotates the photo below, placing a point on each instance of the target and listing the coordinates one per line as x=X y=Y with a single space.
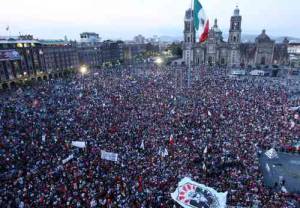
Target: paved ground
x=286 y=166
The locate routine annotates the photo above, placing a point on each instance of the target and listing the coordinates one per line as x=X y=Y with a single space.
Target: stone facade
x=216 y=51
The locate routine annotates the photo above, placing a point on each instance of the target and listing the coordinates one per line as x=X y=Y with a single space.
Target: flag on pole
x=204 y=167
x=209 y=113
x=68 y=159
x=140 y=184
x=200 y=19
x=165 y=153
x=142 y=145
x=205 y=150
x=171 y=140
x=44 y=137
x=190 y=194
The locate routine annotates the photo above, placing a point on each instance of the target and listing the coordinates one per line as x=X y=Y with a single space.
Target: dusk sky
x=127 y=18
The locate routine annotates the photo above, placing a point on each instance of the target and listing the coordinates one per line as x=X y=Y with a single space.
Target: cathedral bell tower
x=189 y=37
x=234 y=39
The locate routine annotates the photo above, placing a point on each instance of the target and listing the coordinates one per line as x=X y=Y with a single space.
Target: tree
x=175 y=49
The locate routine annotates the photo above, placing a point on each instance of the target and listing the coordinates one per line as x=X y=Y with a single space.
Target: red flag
x=171 y=141
x=140 y=184
x=204 y=35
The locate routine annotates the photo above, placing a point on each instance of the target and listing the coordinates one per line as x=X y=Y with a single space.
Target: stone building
x=26 y=58
x=294 y=54
x=233 y=52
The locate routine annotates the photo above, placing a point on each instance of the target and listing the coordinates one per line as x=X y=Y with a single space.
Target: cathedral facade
x=233 y=52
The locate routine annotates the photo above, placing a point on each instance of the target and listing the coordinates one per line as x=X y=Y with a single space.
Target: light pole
x=159 y=61
x=83 y=71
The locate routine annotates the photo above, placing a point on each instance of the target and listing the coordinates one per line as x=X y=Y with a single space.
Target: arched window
x=234 y=39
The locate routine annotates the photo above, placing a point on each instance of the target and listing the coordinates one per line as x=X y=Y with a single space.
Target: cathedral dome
x=189 y=14
x=216 y=28
x=263 y=38
x=236 y=11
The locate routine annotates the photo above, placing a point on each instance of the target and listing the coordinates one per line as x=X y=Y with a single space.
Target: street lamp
x=83 y=70
x=159 y=61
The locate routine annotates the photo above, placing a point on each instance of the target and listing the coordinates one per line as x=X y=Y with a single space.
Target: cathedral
x=217 y=52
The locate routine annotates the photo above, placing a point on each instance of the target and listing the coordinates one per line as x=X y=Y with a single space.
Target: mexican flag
x=200 y=20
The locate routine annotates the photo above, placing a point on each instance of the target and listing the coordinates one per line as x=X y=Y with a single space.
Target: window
x=263 y=61
x=222 y=61
x=210 y=60
x=233 y=57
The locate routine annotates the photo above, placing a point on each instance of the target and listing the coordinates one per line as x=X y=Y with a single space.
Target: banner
x=142 y=145
x=68 y=159
x=109 y=156
x=190 y=194
x=44 y=137
x=78 y=144
x=271 y=154
x=9 y=55
x=294 y=108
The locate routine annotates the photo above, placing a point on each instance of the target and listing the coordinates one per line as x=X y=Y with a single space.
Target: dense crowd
x=218 y=126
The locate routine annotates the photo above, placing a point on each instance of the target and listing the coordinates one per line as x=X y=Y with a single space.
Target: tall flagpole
x=192 y=38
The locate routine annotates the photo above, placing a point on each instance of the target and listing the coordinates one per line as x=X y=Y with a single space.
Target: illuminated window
x=19 y=45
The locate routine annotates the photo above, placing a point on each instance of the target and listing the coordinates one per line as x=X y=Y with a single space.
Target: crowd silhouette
x=218 y=126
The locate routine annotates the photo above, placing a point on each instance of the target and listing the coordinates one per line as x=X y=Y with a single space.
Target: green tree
x=175 y=49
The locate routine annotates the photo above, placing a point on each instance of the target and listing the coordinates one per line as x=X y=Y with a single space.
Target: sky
x=123 y=19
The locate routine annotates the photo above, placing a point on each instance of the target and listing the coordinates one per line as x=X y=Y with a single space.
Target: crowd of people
x=217 y=127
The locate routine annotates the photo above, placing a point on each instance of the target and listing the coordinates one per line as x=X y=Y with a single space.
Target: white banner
x=109 y=156
x=271 y=153
x=44 y=137
x=78 y=144
x=295 y=108
x=190 y=194
x=9 y=55
x=68 y=159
